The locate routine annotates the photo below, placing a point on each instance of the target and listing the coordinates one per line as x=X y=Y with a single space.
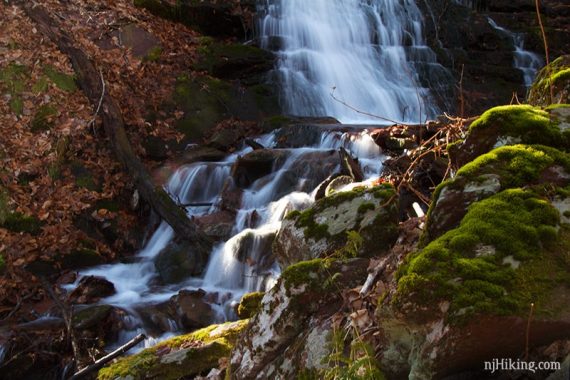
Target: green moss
x=310 y=273
x=41 y=85
x=555 y=75
x=17 y=222
x=466 y=265
x=42 y=120
x=292 y=215
x=250 y=305
x=153 y=54
x=217 y=342
x=214 y=54
x=531 y=124
x=17 y=105
x=366 y=207
x=61 y=80
x=516 y=165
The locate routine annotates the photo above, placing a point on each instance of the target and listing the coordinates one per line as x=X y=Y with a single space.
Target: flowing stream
x=526 y=61
x=362 y=49
x=368 y=50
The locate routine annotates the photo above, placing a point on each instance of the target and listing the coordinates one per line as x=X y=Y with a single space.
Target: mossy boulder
x=289 y=333
x=206 y=101
x=233 y=61
x=502 y=168
x=556 y=75
x=466 y=296
x=508 y=125
x=250 y=305
x=325 y=227
x=18 y=222
x=182 y=356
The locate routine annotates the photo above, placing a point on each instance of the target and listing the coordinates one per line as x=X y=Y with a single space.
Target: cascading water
x=526 y=61
x=244 y=262
x=362 y=49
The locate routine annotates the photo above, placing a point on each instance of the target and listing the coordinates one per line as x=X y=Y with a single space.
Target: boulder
x=91 y=289
x=324 y=228
x=289 y=333
x=218 y=225
x=466 y=296
x=508 y=125
x=190 y=310
x=179 y=260
x=556 y=76
x=249 y=305
x=184 y=356
x=256 y=164
x=502 y=168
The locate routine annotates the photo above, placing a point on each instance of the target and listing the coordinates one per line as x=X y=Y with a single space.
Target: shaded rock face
x=91 y=289
x=555 y=76
x=464 y=41
x=275 y=343
x=216 y=18
x=323 y=228
x=180 y=260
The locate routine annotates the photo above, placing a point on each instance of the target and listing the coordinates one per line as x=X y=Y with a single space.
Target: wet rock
x=231 y=196
x=91 y=289
x=184 y=356
x=276 y=343
x=323 y=228
x=301 y=132
x=96 y=324
x=502 y=168
x=218 y=225
x=180 y=260
x=508 y=125
x=555 y=75
x=190 y=309
x=255 y=165
x=250 y=242
x=338 y=183
x=199 y=153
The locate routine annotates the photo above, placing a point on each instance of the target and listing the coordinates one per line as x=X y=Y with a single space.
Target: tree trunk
x=90 y=82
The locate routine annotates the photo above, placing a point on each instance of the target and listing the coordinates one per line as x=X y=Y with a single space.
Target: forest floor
x=63 y=195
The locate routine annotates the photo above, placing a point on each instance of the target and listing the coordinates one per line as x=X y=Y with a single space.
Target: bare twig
x=362 y=112
x=461 y=98
x=103 y=89
x=546 y=54
x=107 y=358
x=528 y=331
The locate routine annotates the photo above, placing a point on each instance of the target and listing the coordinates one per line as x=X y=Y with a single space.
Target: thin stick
x=92 y=122
x=461 y=99
x=528 y=331
x=107 y=358
x=536 y=2
x=361 y=112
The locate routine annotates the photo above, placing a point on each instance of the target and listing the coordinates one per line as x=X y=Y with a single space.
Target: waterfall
x=244 y=263
x=360 y=48
x=526 y=61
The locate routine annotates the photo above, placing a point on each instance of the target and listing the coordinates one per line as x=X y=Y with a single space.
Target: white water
x=526 y=61
x=243 y=263
x=362 y=48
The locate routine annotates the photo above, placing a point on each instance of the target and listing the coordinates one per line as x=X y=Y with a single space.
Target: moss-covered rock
x=500 y=259
x=233 y=61
x=18 y=222
x=502 y=168
x=250 y=305
x=179 y=260
x=324 y=227
x=289 y=333
x=556 y=75
x=182 y=356
x=508 y=125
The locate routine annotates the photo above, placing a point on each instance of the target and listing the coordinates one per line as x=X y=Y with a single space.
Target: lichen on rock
x=323 y=228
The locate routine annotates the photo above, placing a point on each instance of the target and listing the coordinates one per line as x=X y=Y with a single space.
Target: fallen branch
x=100 y=363
x=92 y=84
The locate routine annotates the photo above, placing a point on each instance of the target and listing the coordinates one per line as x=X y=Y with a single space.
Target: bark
x=91 y=82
